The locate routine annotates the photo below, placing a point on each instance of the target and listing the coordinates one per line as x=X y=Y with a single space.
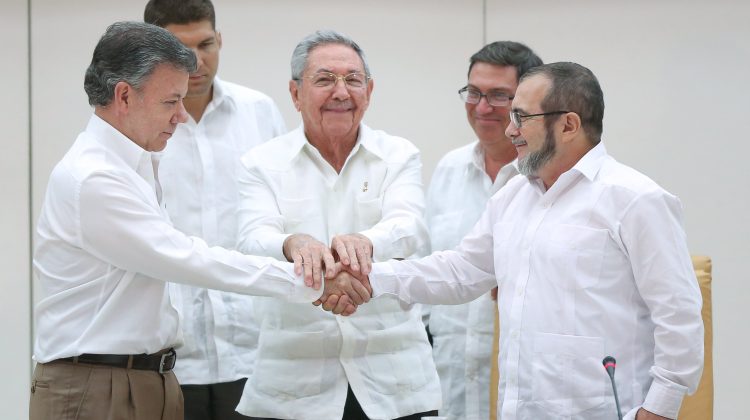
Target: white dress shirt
x=597 y=265
x=198 y=174
x=306 y=356
x=458 y=193
x=105 y=247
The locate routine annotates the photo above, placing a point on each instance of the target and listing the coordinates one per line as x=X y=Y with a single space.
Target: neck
x=496 y=156
x=335 y=150
x=196 y=105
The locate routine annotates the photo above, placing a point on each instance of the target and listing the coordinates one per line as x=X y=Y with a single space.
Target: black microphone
x=609 y=364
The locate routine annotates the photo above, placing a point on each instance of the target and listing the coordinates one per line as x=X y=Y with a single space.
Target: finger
x=298 y=264
x=361 y=291
x=350 y=309
x=317 y=272
x=330 y=263
x=317 y=302
x=351 y=249
x=340 y=248
x=341 y=305
x=330 y=302
x=345 y=283
x=494 y=293
x=365 y=261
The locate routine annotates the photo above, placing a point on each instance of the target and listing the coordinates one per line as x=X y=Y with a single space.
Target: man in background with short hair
x=463 y=182
x=198 y=174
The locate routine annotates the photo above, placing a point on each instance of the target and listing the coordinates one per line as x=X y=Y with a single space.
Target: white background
x=675 y=76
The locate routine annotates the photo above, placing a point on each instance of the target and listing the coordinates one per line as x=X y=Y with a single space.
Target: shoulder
x=244 y=96
x=277 y=153
x=388 y=147
x=460 y=156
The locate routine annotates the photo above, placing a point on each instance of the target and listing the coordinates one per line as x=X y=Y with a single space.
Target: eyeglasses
x=473 y=96
x=325 y=79
x=517 y=118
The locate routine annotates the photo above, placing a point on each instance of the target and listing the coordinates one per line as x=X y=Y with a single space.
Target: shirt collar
x=119 y=144
x=591 y=162
x=365 y=139
x=477 y=160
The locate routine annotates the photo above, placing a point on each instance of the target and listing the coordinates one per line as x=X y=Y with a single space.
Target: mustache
x=339 y=106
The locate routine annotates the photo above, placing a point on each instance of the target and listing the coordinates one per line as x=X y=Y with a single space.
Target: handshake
x=343 y=267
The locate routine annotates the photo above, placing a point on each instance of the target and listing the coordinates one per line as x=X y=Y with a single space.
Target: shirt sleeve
x=655 y=240
x=401 y=231
x=260 y=223
x=446 y=277
x=119 y=226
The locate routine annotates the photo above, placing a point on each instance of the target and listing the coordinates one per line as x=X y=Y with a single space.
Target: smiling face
x=334 y=111
x=535 y=144
x=487 y=121
x=155 y=109
x=205 y=42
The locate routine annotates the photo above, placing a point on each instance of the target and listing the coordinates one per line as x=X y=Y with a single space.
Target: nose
x=339 y=90
x=181 y=115
x=511 y=131
x=484 y=107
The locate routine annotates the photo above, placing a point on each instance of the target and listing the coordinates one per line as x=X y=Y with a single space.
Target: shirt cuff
x=664 y=399
x=383 y=279
x=273 y=245
x=299 y=293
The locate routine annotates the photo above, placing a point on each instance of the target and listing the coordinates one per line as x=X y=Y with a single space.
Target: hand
x=344 y=291
x=493 y=293
x=644 y=414
x=354 y=250
x=310 y=257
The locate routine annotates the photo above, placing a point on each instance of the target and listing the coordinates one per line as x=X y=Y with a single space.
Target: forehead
x=166 y=80
x=493 y=76
x=193 y=32
x=531 y=92
x=334 y=57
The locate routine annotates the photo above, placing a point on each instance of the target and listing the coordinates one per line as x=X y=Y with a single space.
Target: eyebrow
x=325 y=70
x=504 y=91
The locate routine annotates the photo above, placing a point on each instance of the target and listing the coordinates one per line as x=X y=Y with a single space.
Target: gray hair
x=317 y=39
x=129 y=52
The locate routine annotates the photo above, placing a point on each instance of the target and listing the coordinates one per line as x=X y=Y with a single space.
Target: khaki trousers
x=62 y=390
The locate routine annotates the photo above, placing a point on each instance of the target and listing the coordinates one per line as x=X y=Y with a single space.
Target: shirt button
x=514 y=335
x=520 y=292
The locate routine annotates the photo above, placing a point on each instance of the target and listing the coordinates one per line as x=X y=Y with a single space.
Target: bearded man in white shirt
x=463 y=182
x=104 y=246
x=198 y=175
x=335 y=189
x=591 y=260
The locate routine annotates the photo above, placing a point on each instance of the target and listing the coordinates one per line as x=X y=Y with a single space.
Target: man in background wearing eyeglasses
x=198 y=174
x=335 y=190
x=461 y=185
x=591 y=260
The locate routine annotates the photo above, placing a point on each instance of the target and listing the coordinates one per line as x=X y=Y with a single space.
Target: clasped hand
x=344 y=266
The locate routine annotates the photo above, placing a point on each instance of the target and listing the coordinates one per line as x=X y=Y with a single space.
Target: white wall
x=15 y=289
x=674 y=76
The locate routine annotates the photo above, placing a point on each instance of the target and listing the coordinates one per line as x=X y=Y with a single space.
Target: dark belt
x=161 y=362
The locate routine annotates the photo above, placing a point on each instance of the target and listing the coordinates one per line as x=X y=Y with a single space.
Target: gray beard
x=530 y=164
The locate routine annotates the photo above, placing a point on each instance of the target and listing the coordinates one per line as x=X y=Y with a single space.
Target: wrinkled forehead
x=335 y=58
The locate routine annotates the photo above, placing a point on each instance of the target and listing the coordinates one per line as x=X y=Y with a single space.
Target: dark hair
x=317 y=39
x=507 y=53
x=129 y=52
x=574 y=88
x=179 y=12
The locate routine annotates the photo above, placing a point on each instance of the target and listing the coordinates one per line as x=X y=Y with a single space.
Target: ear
x=294 y=91
x=370 y=86
x=123 y=97
x=218 y=39
x=571 y=126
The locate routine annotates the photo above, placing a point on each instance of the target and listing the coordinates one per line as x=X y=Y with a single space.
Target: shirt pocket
x=285 y=368
x=575 y=255
x=298 y=213
x=369 y=212
x=567 y=374
x=398 y=359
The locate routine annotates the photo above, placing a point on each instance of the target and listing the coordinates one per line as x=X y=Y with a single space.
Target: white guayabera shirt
x=597 y=265
x=462 y=335
x=306 y=356
x=198 y=174
x=105 y=249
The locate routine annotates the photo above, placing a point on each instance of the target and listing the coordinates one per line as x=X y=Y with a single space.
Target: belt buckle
x=164 y=357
